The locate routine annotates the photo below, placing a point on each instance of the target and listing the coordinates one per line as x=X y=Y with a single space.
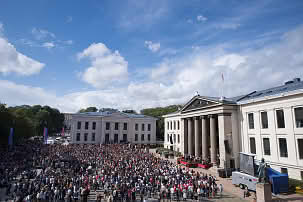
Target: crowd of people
x=124 y=172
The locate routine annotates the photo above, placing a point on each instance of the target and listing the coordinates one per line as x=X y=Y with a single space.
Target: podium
x=263 y=191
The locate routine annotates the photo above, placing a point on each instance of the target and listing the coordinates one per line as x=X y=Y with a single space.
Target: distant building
x=112 y=127
x=267 y=123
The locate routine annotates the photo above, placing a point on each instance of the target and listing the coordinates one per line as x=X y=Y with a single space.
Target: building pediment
x=199 y=103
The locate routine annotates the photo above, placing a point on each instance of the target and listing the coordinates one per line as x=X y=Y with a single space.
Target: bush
x=293 y=183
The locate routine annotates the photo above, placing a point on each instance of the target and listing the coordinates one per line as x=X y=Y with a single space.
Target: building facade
x=267 y=123
x=112 y=127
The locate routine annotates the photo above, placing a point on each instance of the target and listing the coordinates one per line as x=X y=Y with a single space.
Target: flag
x=45 y=135
x=10 y=137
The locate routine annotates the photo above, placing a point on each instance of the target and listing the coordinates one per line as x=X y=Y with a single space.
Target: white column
x=224 y=122
x=190 y=137
x=204 y=138
x=184 y=135
x=235 y=138
x=213 y=140
x=197 y=137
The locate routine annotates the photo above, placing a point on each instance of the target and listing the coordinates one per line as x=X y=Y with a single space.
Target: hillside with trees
x=28 y=121
x=158 y=112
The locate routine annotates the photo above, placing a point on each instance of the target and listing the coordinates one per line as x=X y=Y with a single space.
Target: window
x=299 y=117
x=148 y=127
x=300 y=148
x=178 y=138
x=251 y=121
x=107 y=127
x=280 y=118
x=94 y=125
x=301 y=175
x=178 y=125
x=148 y=137
x=79 y=125
x=142 y=126
x=174 y=125
x=266 y=146
x=264 y=120
x=136 y=127
x=171 y=125
x=124 y=126
x=93 y=137
x=78 y=137
x=107 y=138
x=124 y=137
x=86 y=125
x=142 y=137
x=252 y=143
x=85 y=136
x=116 y=138
x=283 y=147
x=116 y=126
x=284 y=171
x=136 y=137
x=174 y=138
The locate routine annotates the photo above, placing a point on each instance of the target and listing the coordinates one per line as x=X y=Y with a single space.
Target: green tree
x=158 y=112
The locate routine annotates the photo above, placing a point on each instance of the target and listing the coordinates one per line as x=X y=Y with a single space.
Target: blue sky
x=135 y=54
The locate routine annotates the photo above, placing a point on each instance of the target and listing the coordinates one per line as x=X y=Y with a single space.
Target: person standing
x=221 y=189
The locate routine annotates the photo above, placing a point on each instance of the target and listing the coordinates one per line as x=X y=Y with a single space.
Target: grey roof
x=289 y=86
x=109 y=113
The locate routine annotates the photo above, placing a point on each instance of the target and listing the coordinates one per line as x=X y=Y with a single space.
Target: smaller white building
x=112 y=127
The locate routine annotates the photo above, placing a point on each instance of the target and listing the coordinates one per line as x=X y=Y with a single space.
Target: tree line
x=28 y=121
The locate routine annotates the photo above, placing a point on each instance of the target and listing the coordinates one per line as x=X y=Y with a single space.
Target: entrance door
x=171 y=148
x=116 y=138
x=106 y=138
x=124 y=137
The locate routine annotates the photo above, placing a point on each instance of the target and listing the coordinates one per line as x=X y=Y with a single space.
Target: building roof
x=109 y=113
x=293 y=85
x=289 y=86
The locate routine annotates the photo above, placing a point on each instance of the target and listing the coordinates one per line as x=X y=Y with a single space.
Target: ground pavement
x=233 y=193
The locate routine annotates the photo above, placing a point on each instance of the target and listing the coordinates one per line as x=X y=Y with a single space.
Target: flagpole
x=222 y=88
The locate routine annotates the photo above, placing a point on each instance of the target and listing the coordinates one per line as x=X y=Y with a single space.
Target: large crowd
x=36 y=172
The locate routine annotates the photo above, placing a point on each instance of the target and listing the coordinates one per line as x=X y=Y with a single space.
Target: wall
x=290 y=132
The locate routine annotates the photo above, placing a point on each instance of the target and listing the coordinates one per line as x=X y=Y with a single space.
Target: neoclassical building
x=267 y=123
x=112 y=127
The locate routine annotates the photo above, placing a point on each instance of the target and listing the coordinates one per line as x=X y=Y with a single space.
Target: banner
x=10 y=137
x=45 y=135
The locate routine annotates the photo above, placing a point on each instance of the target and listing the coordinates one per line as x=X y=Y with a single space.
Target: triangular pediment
x=199 y=103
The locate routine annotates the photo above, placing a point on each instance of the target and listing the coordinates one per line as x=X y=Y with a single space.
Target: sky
x=136 y=54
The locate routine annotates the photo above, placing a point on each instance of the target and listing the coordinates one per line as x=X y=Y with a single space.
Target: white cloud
x=154 y=47
x=1 y=28
x=230 y=25
x=68 y=42
x=13 y=61
x=231 y=61
x=48 y=45
x=42 y=34
x=107 y=67
x=69 y=19
x=201 y=18
x=175 y=80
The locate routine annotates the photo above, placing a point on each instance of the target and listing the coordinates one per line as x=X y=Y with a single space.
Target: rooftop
x=292 y=85
x=109 y=113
